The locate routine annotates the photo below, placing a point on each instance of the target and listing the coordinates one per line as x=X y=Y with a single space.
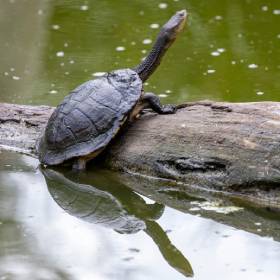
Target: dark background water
x=229 y=51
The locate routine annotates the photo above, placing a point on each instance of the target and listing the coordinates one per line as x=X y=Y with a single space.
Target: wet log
x=227 y=147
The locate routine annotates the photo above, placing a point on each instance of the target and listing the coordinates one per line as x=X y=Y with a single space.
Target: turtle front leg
x=79 y=164
x=151 y=100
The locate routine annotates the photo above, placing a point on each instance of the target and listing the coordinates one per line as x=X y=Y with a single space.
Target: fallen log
x=227 y=147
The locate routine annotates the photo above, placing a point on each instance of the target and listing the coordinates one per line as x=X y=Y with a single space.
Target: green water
x=93 y=226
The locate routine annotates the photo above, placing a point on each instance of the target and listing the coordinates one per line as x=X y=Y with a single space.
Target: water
x=229 y=51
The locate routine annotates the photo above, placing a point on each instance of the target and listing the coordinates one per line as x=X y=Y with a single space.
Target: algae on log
x=229 y=147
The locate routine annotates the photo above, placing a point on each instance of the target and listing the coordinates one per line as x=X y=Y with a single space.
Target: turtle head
x=174 y=26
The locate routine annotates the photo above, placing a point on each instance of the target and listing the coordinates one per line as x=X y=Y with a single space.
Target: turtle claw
x=169 y=109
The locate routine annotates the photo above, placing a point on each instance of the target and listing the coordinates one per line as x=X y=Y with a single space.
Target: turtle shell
x=89 y=117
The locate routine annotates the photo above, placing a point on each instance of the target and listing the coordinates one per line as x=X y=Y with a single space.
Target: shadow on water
x=100 y=199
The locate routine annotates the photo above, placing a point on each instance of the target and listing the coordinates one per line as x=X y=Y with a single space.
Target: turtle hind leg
x=153 y=102
x=79 y=164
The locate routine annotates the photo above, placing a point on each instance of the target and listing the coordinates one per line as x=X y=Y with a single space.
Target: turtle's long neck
x=165 y=38
x=152 y=61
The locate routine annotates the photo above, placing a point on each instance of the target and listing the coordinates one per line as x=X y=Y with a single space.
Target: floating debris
x=260 y=93
x=120 y=49
x=65 y=44
x=16 y=78
x=214 y=206
x=183 y=125
x=211 y=71
x=276 y=12
x=144 y=51
x=162 y=95
x=60 y=54
x=147 y=41
x=84 y=8
x=253 y=66
x=218 y=17
x=233 y=62
x=133 y=43
x=154 y=25
x=53 y=91
x=98 y=74
x=215 y=53
x=71 y=61
x=55 y=26
x=12 y=69
x=6 y=73
x=264 y=8
x=168 y=91
x=40 y=12
x=278 y=36
x=221 y=50
x=162 y=5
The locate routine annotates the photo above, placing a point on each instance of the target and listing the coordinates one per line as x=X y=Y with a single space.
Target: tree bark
x=228 y=147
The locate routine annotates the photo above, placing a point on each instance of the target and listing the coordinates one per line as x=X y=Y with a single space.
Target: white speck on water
x=259 y=229
x=147 y=41
x=1 y=223
x=221 y=50
x=239 y=35
x=241 y=60
x=211 y=71
x=278 y=36
x=53 y=91
x=264 y=8
x=162 y=95
x=143 y=58
x=266 y=68
x=98 y=74
x=258 y=224
x=276 y=12
x=233 y=62
x=16 y=78
x=12 y=69
x=62 y=64
x=40 y=12
x=162 y=5
x=6 y=73
x=66 y=73
x=141 y=13
x=215 y=53
x=60 y=54
x=168 y=91
x=154 y=25
x=183 y=125
x=144 y=51
x=84 y=8
x=253 y=66
x=146 y=84
x=55 y=26
x=133 y=43
x=260 y=93
x=52 y=85
x=120 y=49
x=72 y=61
x=66 y=45
x=218 y=17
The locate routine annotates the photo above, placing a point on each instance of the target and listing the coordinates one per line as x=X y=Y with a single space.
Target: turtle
x=87 y=119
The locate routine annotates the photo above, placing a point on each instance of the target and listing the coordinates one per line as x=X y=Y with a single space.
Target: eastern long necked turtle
x=92 y=114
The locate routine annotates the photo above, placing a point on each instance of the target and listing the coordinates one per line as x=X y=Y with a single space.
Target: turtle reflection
x=102 y=200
